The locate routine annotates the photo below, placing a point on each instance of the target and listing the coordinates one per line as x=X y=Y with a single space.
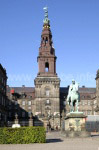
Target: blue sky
x=75 y=29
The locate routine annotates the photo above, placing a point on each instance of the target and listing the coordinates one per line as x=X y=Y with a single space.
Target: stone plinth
x=74 y=125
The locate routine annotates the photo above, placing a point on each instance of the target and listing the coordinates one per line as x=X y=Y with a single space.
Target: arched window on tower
x=46 y=41
x=46 y=67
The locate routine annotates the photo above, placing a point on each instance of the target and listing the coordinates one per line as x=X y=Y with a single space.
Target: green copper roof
x=46 y=20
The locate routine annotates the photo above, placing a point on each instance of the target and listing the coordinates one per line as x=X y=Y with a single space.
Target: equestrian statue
x=73 y=97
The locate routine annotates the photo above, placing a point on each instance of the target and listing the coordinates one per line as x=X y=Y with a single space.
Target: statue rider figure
x=73 y=96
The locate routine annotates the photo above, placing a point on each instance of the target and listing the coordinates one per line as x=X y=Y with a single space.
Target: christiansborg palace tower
x=47 y=83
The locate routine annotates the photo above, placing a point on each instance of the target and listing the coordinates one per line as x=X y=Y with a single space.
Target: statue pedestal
x=74 y=125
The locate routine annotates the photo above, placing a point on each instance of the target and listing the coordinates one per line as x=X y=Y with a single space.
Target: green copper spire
x=46 y=20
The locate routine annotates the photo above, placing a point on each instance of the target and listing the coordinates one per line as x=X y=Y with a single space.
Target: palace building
x=45 y=104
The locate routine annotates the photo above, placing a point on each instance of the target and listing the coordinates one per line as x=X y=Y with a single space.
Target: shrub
x=23 y=135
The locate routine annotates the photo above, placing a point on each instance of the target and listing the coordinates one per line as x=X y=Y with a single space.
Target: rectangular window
x=83 y=103
x=23 y=102
x=64 y=103
x=16 y=102
x=29 y=113
x=88 y=102
x=88 y=112
x=47 y=93
x=48 y=101
x=29 y=102
x=23 y=114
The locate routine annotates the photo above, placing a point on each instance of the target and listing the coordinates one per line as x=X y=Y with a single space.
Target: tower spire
x=46 y=20
x=46 y=58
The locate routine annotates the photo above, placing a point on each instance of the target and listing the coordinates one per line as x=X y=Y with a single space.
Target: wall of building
x=3 y=111
x=44 y=102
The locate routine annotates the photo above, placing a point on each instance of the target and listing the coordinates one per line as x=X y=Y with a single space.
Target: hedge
x=23 y=135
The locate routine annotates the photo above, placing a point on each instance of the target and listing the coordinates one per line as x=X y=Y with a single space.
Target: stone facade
x=23 y=102
x=47 y=101
x=20 y=102
x=86 y=104
x=3 y=111
x=96 y=96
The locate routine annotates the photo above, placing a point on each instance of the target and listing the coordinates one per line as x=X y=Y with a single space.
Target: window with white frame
x=88 y=102
x=83 y=103
x=47 y=92
x=23 y=103
x=47 y=101
x=29 y=113
x=29 y=103
x=64 y=103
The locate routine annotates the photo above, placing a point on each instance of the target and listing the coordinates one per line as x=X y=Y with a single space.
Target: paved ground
x=56 y=142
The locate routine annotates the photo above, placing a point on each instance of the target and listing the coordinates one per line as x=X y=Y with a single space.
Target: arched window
x=46 y=67
x=46 y=41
